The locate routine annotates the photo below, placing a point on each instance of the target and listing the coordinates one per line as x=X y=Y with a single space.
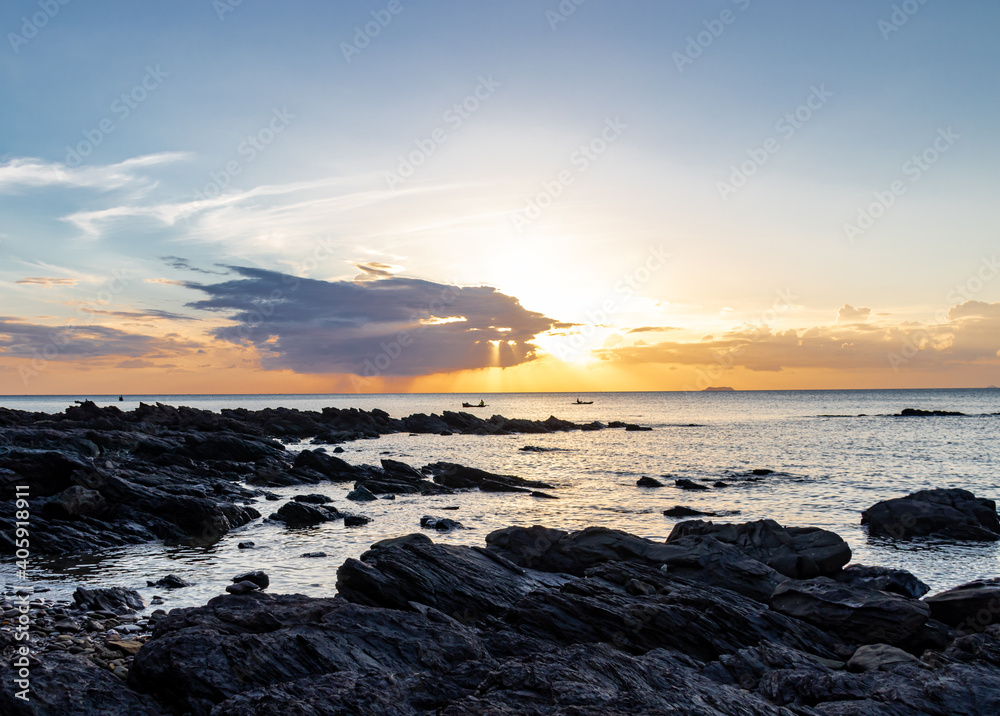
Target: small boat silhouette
x=583 y=402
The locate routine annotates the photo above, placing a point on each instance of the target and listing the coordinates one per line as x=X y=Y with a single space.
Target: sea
x=833 y=453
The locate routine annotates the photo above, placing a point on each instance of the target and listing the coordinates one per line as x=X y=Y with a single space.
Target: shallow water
x=828 y=470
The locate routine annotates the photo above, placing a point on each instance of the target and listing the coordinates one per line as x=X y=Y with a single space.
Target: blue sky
x=248 y=137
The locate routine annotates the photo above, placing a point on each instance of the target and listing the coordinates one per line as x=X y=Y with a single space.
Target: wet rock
x=361 y=494
x=115 y=600
x=246 y=545
x=917 y=412
x=242 y=587
x=356 y=520
x=441 y=524
x=313 y=499
x=333 y=468
x=460 y=477
x=543 y=495
x=313 y=555
x=300 y=514
x=648 y=482
x=686 y=484
x=971 y=607
x=682 y=511
x=258 y=577
x=632 y=427
x=129 y=647
x=947 y=514
x=171 y=581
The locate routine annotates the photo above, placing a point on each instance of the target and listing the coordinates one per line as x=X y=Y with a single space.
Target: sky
x=240 y=196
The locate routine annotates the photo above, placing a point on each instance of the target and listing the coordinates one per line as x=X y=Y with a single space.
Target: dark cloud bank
x=385 y=325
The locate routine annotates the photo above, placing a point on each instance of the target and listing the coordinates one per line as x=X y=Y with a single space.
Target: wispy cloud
x=48 y=281
x=30 y=173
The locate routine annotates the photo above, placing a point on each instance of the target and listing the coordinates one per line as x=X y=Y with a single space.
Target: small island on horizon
x=719 y=389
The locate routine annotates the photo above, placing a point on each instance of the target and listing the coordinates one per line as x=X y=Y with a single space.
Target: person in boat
x=482 y=403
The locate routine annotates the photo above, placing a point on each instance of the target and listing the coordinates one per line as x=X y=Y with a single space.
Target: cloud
x=153 y=314
x=28 y=173
x=389 y=326
x=183 y=264
x=850 y=314
x=30 y=340
x=972 y=335
x=48 y=281
x=373 y=270
x=653 y=329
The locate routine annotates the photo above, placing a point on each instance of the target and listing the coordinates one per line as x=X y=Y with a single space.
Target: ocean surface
x=834 y=453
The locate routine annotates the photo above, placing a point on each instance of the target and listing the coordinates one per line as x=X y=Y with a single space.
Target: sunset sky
x=244 y=196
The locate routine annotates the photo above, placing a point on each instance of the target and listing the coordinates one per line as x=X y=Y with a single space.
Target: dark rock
x=460 y=477
x=947 y=514
x=246 y=545
x=761 y=471
x=171 y=581
x=856 y=614
x=910 y=412
x=361 y=494
x=543 y=495
x=720 y=483
x=243 y=587
x=648 y=482
x=257 y=577
x=313 y=499
x=971 y=607
x=313 y=555
x=885 y=579
x=631 y=427
x=299 y=514
x=796 y=552
x=62 y=683
x=333 y=468
x=400 y=470
x=681 y=511
x=686 y=484
x=877 y=657
x=356 y=520
x=441 y=524
x=117 y=600
x=77 y=500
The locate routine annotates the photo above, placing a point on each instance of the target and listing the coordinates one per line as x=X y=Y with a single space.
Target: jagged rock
x=356 y=520
x=885 y=579
x=648 y=482
x=62 y=683
x=796 y=552
x=361 y=494
x=460 y=477
x=856 y=614
x=333 y=468
x=971 y=607
x=110 y=599
x=948 y=514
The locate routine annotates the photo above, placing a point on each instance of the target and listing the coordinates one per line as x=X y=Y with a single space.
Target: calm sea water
x=834 y=452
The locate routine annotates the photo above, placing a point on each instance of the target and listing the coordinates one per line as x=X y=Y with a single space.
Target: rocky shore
x=719 y=619
x=101 y=477
x=737 y=619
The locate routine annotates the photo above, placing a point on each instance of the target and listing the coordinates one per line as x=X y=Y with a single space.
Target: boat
x=121 y=398
x=583 y=402
x=474 y=405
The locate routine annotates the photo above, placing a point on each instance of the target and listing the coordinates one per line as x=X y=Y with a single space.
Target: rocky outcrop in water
x=100 y=478
x=947 y=514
